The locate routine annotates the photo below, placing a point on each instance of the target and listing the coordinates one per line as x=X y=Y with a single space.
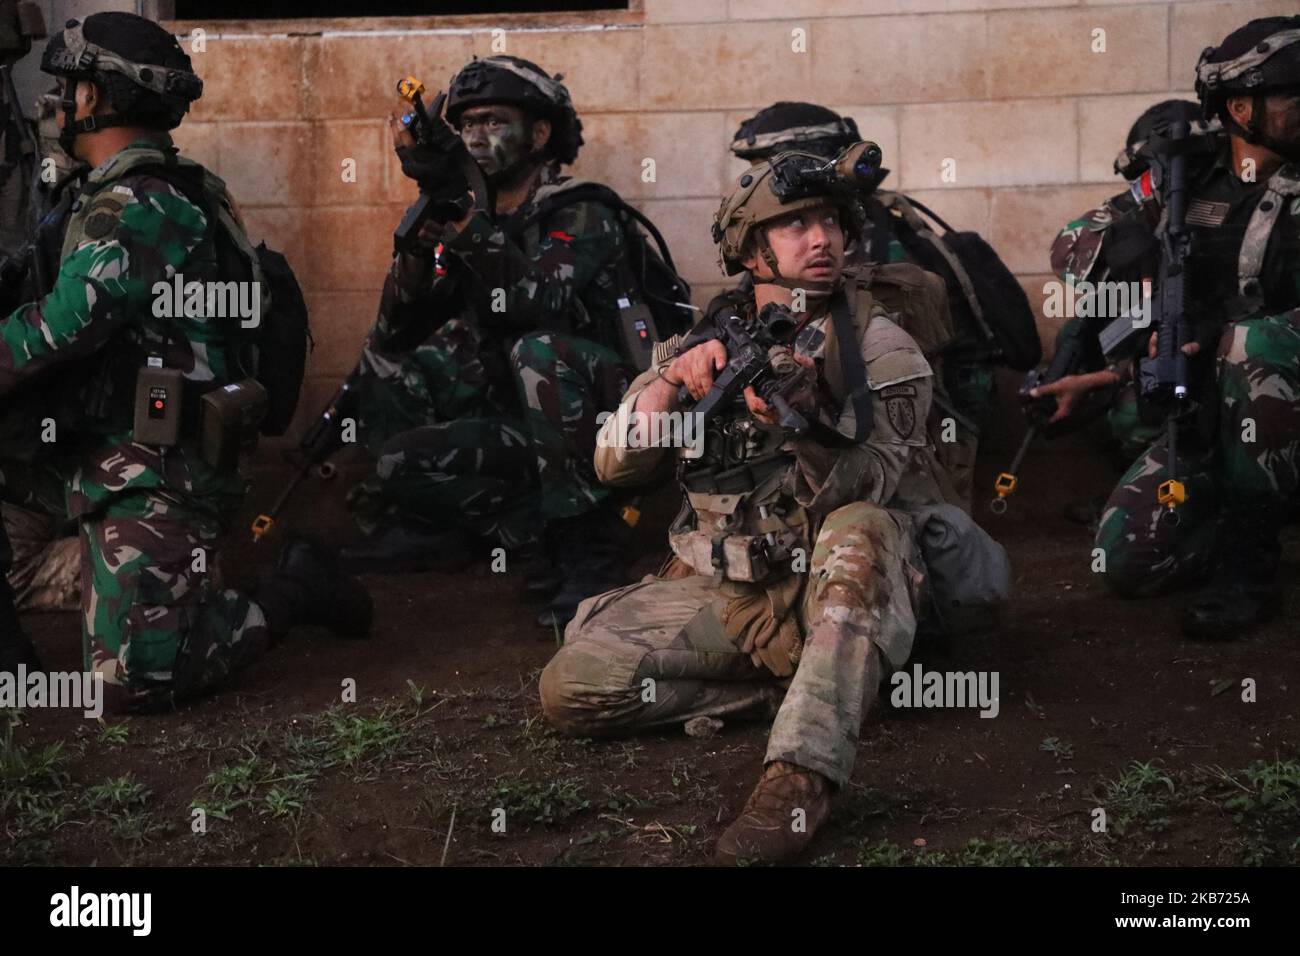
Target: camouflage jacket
x=128 y=232
x=559 y=274
x=893 y=467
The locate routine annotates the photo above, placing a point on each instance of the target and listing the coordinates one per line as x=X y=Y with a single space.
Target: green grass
x=1138 y=799
x=545 y=803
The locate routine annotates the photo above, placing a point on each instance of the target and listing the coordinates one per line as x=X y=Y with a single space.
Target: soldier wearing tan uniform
x=797 y=580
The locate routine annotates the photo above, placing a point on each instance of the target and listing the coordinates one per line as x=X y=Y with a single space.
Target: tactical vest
x=760 y=553
x=1242 y=263
x=109 y=393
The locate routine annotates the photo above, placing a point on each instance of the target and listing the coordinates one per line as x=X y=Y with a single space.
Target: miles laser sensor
x=158 y=404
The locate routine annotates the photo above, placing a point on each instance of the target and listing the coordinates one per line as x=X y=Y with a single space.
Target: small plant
x=541 y=803
x=1060 y=749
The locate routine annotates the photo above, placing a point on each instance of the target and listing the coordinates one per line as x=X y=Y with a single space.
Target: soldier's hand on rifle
x=428 y=166
x=695 y=368
x=805 y=400
x=1069 y=390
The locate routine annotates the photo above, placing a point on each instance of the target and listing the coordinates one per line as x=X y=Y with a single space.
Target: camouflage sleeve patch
x=105 y=281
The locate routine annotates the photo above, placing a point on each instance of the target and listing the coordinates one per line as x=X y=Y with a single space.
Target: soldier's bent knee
x=571 y=695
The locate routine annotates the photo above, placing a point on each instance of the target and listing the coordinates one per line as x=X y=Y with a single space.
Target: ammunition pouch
x=230 y=419
x=750 y=558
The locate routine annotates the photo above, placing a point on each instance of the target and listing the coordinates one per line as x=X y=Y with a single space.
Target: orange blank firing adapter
x=1171 y=493
x=1004 y=486
x=408 y=88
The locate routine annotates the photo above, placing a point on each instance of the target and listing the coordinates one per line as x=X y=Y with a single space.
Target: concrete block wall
x=1020 y=95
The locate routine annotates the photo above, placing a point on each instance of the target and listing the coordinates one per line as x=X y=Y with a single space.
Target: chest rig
x=1238 y=266
x=109 y=391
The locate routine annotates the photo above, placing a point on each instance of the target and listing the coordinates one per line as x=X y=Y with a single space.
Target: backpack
x=275 y=351
x=650 y=287
x=991 y=312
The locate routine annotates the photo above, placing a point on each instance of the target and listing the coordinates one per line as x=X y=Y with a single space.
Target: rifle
x=758 y=356
x=438 y=200
x=1075 y=352
x=1164 y=379
x=317 y=444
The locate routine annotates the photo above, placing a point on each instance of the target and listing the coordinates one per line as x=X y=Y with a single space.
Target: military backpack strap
x=907 y=209
x=846 y=373
x=1282 y=185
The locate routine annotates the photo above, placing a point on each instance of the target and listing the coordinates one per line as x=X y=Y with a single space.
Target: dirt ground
x=1103 y=705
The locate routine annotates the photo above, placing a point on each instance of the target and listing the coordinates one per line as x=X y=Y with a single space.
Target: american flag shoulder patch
x=1202 y=212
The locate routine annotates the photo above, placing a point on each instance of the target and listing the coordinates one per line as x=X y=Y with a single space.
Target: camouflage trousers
x=1254 y=464
x=664 y=651
x=155 y=620
x=453 y=448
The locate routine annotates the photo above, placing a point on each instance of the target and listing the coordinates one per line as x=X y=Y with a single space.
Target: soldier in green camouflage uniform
x=1238 y=460
x=482 y=378
x=1115 y=242
x=811 y=636
x=157 y=623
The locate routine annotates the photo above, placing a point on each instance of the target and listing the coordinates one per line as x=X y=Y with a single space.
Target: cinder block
x=770 y=9
x=355 y=77
x=340 y=322
x=962 y=209
x=364 y=146
x=249 y=78
x=1009 y=143
x=685 y=224
x=1024 y=222
x=732 y=65
x=201 y=142
x=267 y=164
x=282 y=228
x=688 y=150
x=906 y=59
x=349 y=248
x=1050 y=52
x=685 y=11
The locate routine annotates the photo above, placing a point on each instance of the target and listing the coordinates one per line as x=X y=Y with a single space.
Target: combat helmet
x=518 y=82
x=786 y=183
x=1148 y=132
x=794 y=126
x=1255 y=60
x=148 y=78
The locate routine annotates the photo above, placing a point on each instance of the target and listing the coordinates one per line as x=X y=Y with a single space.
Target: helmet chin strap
x=73 y=127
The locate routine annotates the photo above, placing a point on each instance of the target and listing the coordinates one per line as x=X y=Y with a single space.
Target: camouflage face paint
x=498 y=138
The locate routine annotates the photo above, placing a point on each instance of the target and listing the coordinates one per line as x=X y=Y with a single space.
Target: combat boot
x=589 y=552
x=409 y=547
x=1245 y=591
x=769 y=830
x=542 y=577
x=307 y=588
